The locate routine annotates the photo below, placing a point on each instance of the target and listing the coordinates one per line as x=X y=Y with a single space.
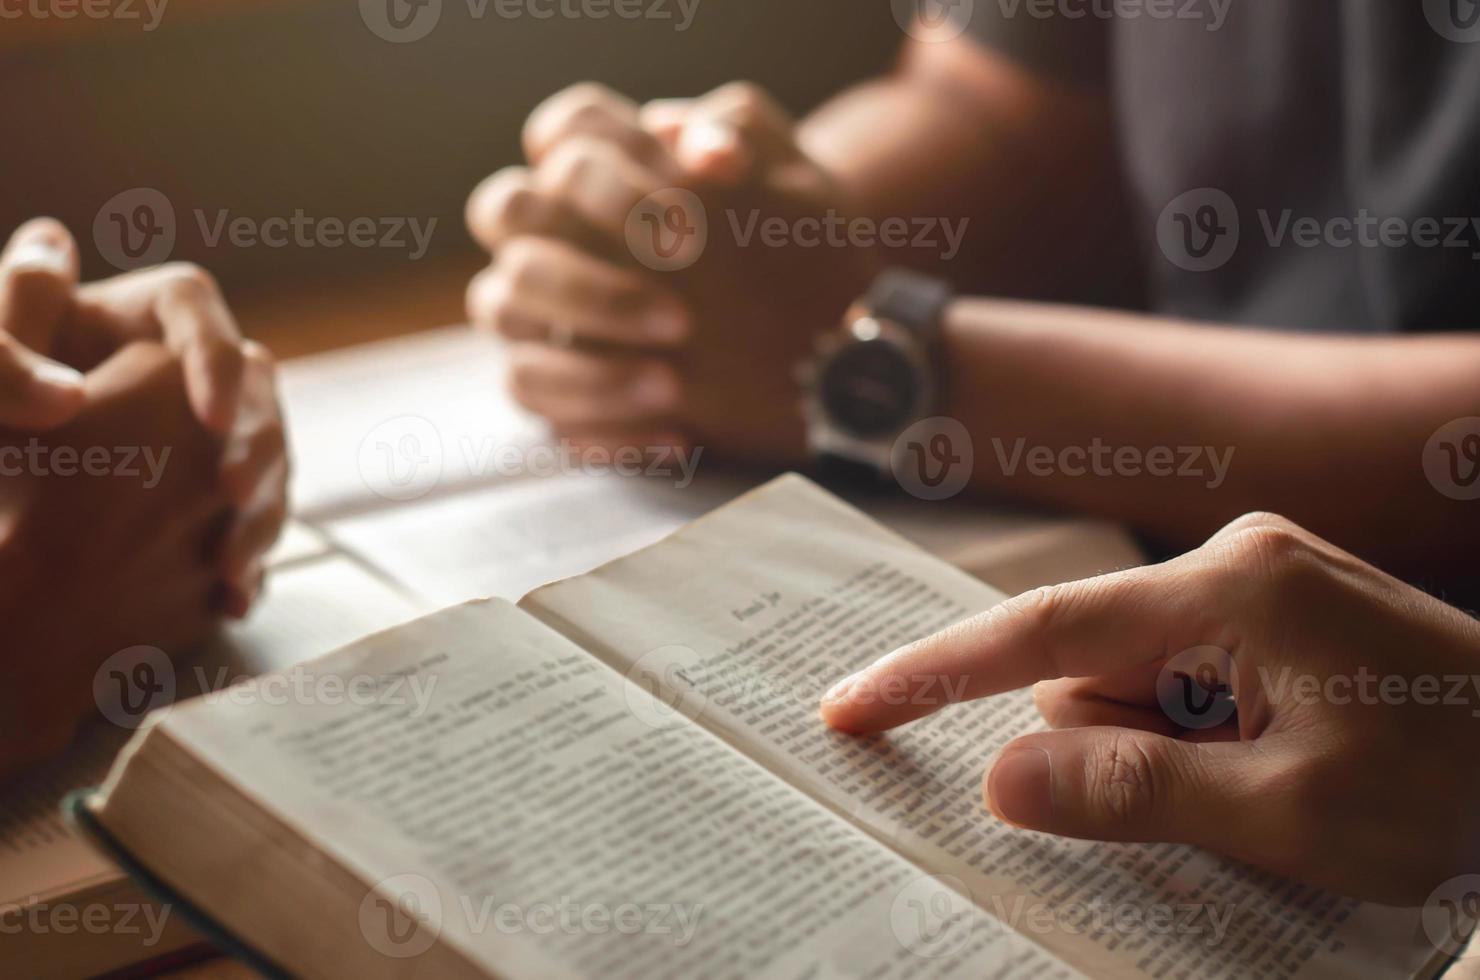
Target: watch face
x=869 y=389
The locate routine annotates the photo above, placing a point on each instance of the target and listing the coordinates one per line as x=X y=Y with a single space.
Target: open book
x=624 y=776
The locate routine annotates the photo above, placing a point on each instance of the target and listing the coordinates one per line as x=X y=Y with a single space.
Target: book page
x=312 y=603
x=40 y=859
x=514 y=535
x=512 y=801
x=743 y=619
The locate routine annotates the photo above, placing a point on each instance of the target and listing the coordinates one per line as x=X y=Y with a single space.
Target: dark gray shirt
x=1310 y=164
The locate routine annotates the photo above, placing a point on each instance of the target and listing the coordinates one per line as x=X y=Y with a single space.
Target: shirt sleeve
x=1065 y=41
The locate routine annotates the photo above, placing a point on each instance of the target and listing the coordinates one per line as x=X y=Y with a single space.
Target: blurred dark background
x=263 y=108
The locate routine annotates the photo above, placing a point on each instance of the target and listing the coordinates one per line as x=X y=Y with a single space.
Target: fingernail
x=840 y=690
x=56 y=375
x=655 y=390
x=666 y=324
x=1020 y=787
x=38 y=254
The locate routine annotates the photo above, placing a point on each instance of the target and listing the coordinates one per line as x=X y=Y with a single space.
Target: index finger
x=593 y=111
x=181 y=306
x=1081 y=629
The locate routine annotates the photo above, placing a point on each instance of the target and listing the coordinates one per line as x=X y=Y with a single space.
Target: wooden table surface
x=312 y=317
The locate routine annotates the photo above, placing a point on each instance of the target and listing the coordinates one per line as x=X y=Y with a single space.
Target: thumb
x=38 y=275
x=733 y=133
x=1120 y=784
x=36 y=392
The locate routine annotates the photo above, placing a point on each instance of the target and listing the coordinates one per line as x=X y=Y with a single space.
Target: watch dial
x=869 y=389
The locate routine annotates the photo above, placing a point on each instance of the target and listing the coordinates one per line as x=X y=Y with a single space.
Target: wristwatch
x=877 y=375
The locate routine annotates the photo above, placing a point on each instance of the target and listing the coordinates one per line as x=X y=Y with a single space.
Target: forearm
x=1102 y=413
x=975 y=140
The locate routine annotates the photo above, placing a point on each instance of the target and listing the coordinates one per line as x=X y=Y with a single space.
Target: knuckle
x=1039 y=607
x=272 y=437
x=525 y=374
x=585 y=97
x=589 y=112
x=1277 y=552
x=502 y=199
x=481 y=296
x=1124 y=783
x=1039 y=612
x=575 y=161
x=259 y=356
x=518 y=264
x=1254 y=519
x=190 y=282
x=612 y=299
x=44 y=227
x=745 y=98
x=223 y=360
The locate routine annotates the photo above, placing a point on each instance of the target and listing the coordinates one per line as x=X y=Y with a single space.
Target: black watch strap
x=914 y=301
